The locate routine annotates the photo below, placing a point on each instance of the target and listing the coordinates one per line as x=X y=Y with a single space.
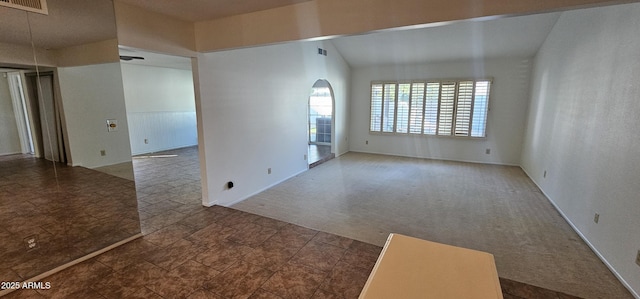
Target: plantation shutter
x=388 y=107
x=376 y=108
x=443 y=108
x=431 y=108
x=402 y=117
x=480 y=107
x=463 y=108
x=447 y=101
x=417 y=108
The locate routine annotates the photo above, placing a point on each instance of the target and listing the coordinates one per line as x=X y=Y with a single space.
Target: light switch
x=112 y=125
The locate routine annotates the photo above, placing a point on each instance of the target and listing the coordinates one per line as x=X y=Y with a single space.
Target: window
x=442 y=108
x=320 y=114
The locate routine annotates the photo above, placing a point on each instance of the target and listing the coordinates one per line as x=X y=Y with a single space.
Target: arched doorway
x=320 y=123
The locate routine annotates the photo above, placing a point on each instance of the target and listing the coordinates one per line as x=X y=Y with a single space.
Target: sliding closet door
x=47 y=131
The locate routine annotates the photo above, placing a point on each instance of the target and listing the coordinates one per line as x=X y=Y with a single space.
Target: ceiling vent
x=38 y=6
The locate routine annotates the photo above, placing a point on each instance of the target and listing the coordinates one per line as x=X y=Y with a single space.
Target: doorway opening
x=320 y=123
x=161 y=113
x=31 y=115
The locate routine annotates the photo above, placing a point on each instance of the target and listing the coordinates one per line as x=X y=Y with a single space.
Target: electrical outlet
x=269 y=170
x=103 y=153
x=596 y=218
x=638 y=258
x=305 y=157
x=487 y=151
x=366 y=142
x=31 y=242
x=544 y=175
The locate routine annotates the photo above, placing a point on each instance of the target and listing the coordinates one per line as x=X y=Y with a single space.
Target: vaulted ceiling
x=519 y=36
x=93 y=20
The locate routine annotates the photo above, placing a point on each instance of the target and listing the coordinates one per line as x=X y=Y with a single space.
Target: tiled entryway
x=225 y=253
x=221 y=253
x=168 y=187
x=319 y=154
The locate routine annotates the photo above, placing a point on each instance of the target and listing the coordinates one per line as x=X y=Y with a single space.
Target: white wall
x=9 y=139
x=160 y=108
x=505 y=124
x=582 y=129
x=254 y=106
x=91 y=95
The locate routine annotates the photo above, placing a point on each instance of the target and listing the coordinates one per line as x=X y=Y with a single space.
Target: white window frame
x=472 y=130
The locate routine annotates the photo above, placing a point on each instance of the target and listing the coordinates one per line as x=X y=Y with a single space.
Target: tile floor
x=490 y=208
x=78 y=213
x=225 y=253
x=319 y=154
x=168 y=187
x=221 y=253
x=190 y=251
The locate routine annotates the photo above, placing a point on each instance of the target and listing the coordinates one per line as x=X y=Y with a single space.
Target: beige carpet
x=496 y=209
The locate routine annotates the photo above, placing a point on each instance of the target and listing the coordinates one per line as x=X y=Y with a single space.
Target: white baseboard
x=263 y=189
x=584 y=238
x=436 y=159
x=209 y=204
x=164 y=148
x=10 y=153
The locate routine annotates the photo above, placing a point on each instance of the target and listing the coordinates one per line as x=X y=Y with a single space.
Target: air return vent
x=39 y=6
